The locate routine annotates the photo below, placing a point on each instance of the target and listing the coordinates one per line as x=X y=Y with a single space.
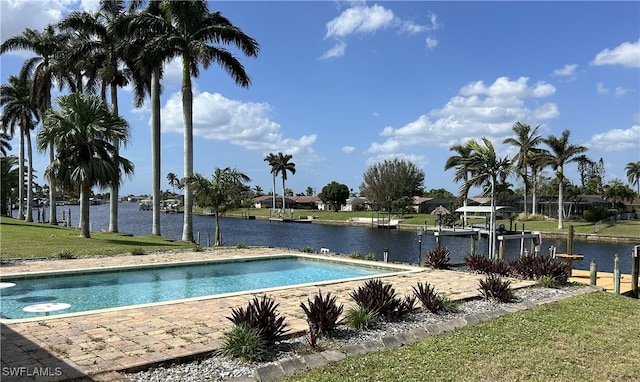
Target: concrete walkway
x=127 y=339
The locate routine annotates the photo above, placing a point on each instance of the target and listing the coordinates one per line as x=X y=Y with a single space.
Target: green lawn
x=28 y=240
x=592 y=337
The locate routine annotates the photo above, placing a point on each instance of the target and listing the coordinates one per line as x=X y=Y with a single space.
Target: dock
x=604 y=280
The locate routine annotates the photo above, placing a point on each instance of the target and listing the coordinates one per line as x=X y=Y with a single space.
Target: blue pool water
x=102 y=290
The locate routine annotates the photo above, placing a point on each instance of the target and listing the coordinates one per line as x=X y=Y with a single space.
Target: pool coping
x=401 y=269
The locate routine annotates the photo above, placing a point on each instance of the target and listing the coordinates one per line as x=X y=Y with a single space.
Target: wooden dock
x=604 y=280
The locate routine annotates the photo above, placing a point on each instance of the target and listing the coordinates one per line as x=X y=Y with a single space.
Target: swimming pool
x=100 y=289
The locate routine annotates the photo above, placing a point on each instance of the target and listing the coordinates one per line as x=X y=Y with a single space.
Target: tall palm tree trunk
x=561 y=201
x=283 y=199
x=534 y=192
x=187 y=112
x=53 y=214
x=492 y=221
x=29 y=213
x=524 y=187
x=274 y=192
x=113 y=197
x=85 y=191
x=216 y=236
x=21 y=172
x=155 y=149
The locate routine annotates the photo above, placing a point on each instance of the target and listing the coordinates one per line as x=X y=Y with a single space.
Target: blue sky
x=342 y=85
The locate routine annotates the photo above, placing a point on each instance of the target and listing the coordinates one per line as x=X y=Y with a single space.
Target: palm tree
x=282 y=166
x=18 y=111
x=190 y=29
x=174 y=181
x=561 y=153
x=83 y=131
x=147 y=63
x=486 y=168
x=271 y=159
x=103 y=43
x=526 y=141
x=537 y=164
x=217 y=192
x=459 y=162
x=8 y=181
x=633 y=174
x=43 y=69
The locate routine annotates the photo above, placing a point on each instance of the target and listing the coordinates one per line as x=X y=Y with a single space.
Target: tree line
x=92 y=54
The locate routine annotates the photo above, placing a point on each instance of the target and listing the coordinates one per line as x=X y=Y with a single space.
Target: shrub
x=360 y=256
x=446 y=304
x=360 y=318
x=407 y=305
x=66 y=254
x=137 y=251
x=433 y=301
x=322 y=313
x=596 y=214
x=548 y=282
x=493 y=287
x=307 y=249
x=261 y=314
x=244 y=342
x=376 y=297
x=482 y=264
x=532 y=267
x=241 y=246
x=438 y=258
x=427 y=295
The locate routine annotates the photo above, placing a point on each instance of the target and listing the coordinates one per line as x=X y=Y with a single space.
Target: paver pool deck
x=62 y=347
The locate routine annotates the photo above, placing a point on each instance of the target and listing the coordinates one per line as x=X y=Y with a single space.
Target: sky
x=344 y=85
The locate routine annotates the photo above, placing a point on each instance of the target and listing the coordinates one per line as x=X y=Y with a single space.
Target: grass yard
x=593 y=337
x=29 y=240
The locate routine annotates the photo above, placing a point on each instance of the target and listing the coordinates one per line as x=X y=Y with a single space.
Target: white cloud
x=245 y=124
x=617 y=140
x=431 y=42
x=418 y=160
x=16 y=15
x=348 y=149
x=337 y=50
x=620 y=91
x=600 y=89
x=409 y=26
x=626 y=54
x=568 y=70
x=362 y=19
x=477 y=110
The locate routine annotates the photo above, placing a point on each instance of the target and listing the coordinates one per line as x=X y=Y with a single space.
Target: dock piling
x=616 y=275
x=635 y=269
x=593 y=273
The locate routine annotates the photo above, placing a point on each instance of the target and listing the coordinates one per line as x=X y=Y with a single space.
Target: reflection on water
x=402 y=245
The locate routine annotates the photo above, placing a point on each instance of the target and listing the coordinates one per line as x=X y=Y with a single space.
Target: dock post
x=570 y=240
x=616 y=275
x=385 y=255
x=593 y=273
x=635 y=269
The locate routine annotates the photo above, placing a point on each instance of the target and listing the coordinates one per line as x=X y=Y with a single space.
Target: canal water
x=403 y=246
